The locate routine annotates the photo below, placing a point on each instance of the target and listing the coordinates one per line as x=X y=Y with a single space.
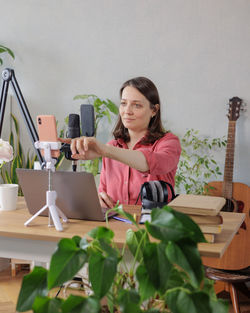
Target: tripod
x=8 y=76
x=54 y=212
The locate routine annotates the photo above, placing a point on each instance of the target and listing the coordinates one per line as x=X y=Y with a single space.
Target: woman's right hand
x=105 y=200
x=84 y=148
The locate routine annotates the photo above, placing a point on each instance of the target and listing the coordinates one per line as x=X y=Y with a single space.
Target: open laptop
x=76 y=193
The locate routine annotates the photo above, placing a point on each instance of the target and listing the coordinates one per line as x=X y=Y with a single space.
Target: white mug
x=8 y=196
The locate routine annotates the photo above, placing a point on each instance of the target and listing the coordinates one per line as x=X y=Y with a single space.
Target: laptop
x=77 y=195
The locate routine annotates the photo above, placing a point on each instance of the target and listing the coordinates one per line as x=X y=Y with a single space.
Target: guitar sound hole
x=229 y=206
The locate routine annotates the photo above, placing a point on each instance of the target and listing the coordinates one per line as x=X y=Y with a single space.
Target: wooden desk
x=37 y=242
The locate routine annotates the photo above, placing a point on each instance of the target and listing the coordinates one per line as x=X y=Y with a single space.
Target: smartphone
x=47 y=131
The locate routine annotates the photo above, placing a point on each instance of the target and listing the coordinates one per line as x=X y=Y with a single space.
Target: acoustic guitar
x=237 y=195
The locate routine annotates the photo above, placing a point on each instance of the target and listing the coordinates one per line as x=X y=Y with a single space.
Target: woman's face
x=135 y=110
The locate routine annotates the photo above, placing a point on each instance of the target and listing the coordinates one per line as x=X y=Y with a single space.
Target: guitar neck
x=227 y=189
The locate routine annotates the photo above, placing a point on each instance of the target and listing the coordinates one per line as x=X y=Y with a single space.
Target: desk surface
x=12 y=226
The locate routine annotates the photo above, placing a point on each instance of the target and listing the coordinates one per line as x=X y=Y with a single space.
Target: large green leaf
x=136 y=242
x=112 y=107
x=33 y=284
x=183 y=301
x=102 y=271
x=169 y=225
x=186 y=255
x=101 y=232
x=67 y=260
x=47 y=305
x=76 y=304
x=129 y=301
x=146 y=287
x=157 y=265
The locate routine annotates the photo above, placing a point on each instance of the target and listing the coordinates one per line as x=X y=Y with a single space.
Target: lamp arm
x=8 y=76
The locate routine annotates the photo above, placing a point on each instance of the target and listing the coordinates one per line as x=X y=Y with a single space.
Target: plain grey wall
x=196 y=51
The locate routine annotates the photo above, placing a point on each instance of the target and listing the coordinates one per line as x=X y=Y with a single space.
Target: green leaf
x=186 y=255
x=157 y=265
x=67 y=260
x=136 y=240
x=33 y=284
x=83 y=97
x=167 y=224
x=183 y=301
x=76 y=304
x=119 y=209
x=146 y=287
x=219 y=306
x=7 y=50
x=129 y=301
x=14 y=119
x=102 y=271
x=176 y=278
x=47 y=305
x=101 y=232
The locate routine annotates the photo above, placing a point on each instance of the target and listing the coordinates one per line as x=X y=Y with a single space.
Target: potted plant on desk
x=165 y=272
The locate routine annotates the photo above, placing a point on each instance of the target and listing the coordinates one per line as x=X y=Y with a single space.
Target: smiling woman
x=141 y=151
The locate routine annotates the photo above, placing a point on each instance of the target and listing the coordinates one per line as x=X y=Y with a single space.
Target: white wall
x=196 y=51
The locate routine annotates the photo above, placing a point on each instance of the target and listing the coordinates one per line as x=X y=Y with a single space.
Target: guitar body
x=237 y=255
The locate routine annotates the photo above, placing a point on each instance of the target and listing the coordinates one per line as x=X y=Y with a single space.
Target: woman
x=141 y=151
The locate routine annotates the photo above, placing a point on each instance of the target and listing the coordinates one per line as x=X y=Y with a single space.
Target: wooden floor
x=9 y=290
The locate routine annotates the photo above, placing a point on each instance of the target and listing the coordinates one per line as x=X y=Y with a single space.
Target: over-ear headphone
x=154 y=194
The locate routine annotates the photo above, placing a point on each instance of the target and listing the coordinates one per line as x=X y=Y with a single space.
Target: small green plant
x=197 y=164
x=102 y=108
x=20 y=160
x=4 y=49
x=164 y=274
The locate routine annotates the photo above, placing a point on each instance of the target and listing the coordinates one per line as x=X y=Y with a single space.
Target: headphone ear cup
x=159 y=191
x=153 y=191
x=146 y=191
x=165 y=190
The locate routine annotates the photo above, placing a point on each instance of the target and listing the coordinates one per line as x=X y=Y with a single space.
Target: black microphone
x=72 y=132
x=87 y=120
x=73 y=126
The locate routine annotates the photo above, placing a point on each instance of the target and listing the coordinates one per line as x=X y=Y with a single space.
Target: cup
x=8 y=196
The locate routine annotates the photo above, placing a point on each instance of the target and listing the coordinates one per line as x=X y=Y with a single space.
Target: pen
x=122 y=219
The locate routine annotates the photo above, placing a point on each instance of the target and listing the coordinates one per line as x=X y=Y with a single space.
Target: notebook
x=77 y=195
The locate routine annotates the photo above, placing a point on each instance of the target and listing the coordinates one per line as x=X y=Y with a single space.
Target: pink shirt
x=123 y=183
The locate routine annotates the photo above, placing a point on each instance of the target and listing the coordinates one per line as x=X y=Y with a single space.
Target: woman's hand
x=105 y=200
x=84 y=148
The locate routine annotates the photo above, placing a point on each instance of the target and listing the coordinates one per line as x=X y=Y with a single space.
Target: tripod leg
x=62 y=215
x=55 y=217
x=35 y=215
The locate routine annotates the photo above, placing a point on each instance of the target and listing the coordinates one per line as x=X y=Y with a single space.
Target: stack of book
x=204 y=210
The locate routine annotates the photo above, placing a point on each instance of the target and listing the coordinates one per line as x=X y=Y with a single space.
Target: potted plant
x=197 y=164
x=102 y=108
x=164 y=274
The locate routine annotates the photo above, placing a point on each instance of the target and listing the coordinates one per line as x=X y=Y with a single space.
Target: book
x=207 y=219
x=209 y=237
x=198 y=204
x=211 y=229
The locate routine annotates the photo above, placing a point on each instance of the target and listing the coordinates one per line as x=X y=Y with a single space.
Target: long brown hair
x=155 y=129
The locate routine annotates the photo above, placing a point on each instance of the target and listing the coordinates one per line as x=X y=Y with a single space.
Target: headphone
x=154 y=194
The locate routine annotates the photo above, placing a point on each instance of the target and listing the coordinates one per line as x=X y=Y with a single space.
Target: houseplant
x=165 y=272
x=102 y=108
x=197 y=164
